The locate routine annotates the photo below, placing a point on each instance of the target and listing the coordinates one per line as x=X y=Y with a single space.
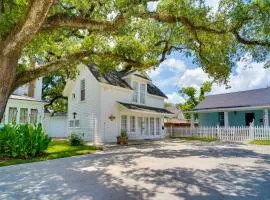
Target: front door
x=249 y=118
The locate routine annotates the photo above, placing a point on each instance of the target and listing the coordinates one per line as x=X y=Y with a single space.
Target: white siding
x=110 y=95
x=88 y=111
x=154 y=101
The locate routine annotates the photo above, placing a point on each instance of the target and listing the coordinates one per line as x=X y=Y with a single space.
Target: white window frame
x=73 y=121
x=142 y=93
x=135 y=95
x=157 y=126
x=132 y=124
x=24 y=121
x=16 y=114
x=31 y=117
x=152 y=126
x=124 y=118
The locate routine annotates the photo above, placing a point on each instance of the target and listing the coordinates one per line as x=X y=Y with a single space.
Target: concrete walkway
x=167 y=170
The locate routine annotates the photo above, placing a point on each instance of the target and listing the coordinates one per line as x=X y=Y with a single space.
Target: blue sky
x=178 y=71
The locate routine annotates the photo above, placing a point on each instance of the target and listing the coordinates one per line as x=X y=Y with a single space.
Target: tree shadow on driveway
x=157 y=171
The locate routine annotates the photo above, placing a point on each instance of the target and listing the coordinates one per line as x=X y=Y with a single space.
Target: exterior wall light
x=112 y=117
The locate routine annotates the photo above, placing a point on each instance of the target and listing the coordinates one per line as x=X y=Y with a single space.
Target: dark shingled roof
x=115 y=78
x=145 y=108
x=249 y=98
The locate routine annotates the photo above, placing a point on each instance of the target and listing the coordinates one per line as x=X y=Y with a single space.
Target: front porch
x=234 y=117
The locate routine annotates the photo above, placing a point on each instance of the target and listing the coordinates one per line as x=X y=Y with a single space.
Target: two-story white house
x=25 y=105
x=101 y=105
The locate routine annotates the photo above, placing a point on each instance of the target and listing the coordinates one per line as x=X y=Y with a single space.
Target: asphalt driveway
x=161 y=170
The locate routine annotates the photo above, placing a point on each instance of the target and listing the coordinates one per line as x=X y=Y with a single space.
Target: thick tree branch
x=26 y=29
x=32 y=74
x=54 y=99
x=64 y=21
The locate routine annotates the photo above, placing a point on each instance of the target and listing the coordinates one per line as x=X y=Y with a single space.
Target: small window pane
x=83 y=90
x=146 y=126
x=12 y=115
x=77 y=123
x=132 y=124
x=157 y=126
x=33 y=116
x=152 y=126
x=142 y=93
x=135 y=92
x=71 y=123
x=123 y=123
x=23 y=115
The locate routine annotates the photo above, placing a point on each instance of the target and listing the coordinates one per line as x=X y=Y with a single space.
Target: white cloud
x=174 y=65
x=175 y=98
x=213 y=4
x=193 y=77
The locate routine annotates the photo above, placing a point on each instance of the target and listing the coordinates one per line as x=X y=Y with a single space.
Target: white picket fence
x=234 y=133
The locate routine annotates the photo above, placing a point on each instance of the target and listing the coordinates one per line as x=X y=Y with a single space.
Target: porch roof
x=143 y=108
x=250 y=99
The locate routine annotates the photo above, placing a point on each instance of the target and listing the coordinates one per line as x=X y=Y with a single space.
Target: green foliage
x=193 y=98
x=22 y=141
x=123 y=134
x=260 y=142
x=202 y=139
x=75 y=139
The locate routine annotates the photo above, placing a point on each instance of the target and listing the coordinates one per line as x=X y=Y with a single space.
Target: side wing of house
x=84 y=105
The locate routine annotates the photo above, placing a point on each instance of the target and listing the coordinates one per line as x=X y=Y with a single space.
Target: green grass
x=260 y=142
x=202 y=139
x=56 y=149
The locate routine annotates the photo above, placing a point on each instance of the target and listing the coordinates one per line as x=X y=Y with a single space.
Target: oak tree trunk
x=7 y=77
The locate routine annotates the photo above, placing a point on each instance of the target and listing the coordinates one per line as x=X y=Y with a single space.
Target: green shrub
x=75 y=139
x=22 y=140
x=123 y=133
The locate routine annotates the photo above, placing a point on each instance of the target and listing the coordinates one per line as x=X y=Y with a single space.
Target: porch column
x=192 y=120
x=226 y=119
x=265 y=118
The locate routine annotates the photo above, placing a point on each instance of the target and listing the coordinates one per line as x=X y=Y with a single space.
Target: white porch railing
x=234 y=134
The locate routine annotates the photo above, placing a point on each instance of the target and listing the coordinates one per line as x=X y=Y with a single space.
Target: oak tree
x=39 y=37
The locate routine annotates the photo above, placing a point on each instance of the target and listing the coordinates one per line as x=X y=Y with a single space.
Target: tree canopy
x=194 y=97
x=119 y=33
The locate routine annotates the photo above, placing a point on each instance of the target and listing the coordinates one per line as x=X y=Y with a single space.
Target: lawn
x=202 y=139
x=260 y=142
x=56 y=149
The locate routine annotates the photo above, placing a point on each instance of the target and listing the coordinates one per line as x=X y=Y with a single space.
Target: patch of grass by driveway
x=260 y=142
x=56 y=149
x=202 y=139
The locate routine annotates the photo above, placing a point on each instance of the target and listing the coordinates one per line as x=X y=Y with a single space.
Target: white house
x=101 y=105
x=25 y=105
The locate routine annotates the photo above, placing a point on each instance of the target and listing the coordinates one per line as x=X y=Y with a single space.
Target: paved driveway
x=160 y=170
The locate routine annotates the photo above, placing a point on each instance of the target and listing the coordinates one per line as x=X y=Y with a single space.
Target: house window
x=140 y=124
x=74 y=123
x=221 y=118
x=157 y=126
x=33 y=116
x=146 y=126
x=83 y=90
x=23 y=115
x=135 y=92
x=12 y=115
x=132 y=124
x=152 y=126
x=123 y=123
x=142 y=93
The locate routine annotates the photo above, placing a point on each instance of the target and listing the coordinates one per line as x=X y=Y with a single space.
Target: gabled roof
x=249 y=98
x=116 y=78
x=145 y=108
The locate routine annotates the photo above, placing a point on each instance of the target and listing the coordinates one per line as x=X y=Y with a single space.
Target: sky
x=178 y=71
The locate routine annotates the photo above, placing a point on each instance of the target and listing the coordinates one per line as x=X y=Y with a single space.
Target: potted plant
x=122 y=139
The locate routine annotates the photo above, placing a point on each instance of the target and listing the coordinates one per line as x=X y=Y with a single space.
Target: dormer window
x=139 y=91
x=135 y=97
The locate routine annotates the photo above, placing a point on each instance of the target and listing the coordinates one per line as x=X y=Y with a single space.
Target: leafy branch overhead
x=59 y=34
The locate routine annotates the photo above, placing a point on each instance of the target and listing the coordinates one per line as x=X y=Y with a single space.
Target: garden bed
x=56 y=149
x=202 y=139
x=260 y=142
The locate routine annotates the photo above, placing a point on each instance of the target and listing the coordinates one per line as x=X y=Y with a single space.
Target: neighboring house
x=55 y=124
x=100 y=106
x=25 y=105
x=235 y=109
x=177 y=119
